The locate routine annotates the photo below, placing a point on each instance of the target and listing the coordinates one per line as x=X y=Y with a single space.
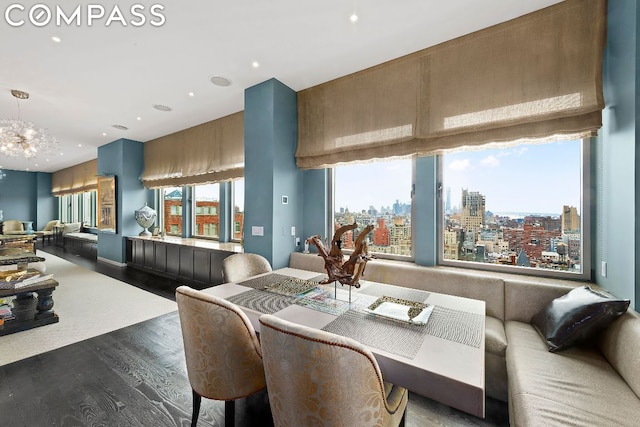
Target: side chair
x=222 y=351
x=238 y=267
x=316 y=378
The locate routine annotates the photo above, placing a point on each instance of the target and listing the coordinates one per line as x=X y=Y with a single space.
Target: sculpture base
x=145 y=233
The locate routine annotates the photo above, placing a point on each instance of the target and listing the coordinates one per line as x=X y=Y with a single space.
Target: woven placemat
x=266 y=280
x=373 y=331
x=261 y=301
x=382 y=290
x=455 y=325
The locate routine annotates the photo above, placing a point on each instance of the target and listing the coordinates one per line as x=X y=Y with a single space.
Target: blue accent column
x=270 y=137
x=425 y=236
x=124 y=159
x=316 y=204
x=615 y=158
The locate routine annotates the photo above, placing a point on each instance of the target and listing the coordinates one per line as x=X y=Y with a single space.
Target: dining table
x=439 y=353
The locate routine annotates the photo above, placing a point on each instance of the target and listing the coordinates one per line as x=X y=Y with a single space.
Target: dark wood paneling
x=138 y=252
x=186 y=263
x=149 y=254
x=161 y=257
x=216 y=266
x=173 y=260
x=201 y=266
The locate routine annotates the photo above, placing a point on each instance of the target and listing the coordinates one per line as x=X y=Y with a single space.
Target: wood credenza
x=194 y=262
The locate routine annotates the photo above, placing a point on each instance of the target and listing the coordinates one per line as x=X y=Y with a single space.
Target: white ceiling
x=99 y=75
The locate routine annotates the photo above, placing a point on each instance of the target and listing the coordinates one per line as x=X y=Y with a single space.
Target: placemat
x=382 y=290
x=403 y=339
x=266 y=280
x=455 y=325
x=261 y=301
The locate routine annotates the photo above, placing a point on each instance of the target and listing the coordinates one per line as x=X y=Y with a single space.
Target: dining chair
x=222 y=351
x=317 y=378
x=238 y=267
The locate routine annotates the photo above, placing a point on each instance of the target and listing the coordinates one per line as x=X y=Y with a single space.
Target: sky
x=532 y=178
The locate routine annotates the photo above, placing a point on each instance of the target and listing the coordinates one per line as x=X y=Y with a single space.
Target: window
x=238 y=208
x=171 y=199
x=379 y=194
x=88 y=201
x=516 y=208
x=79 y=207
x=206 y=207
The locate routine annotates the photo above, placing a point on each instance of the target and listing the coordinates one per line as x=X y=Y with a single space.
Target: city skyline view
x=527 y=179
x=530 y=179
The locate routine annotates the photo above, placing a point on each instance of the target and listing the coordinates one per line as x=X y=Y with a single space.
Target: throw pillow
x=576 y=317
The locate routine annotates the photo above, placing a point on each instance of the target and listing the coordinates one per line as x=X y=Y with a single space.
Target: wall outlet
x=297 y=241
x=293 y=230
x=257 y=231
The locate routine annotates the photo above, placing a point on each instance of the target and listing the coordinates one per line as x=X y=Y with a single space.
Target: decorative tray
x=413 y=312
x=291 y=287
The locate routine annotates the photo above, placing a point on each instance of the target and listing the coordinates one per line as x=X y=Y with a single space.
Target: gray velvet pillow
x=576 y=317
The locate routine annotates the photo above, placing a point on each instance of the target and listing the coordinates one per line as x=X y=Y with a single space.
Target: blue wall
x=270 y=137
x=26 y=196
x=614 y=164
x=46 y=205
x=124 y=159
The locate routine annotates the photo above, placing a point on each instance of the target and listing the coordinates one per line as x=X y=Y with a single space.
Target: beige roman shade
x=75 y=179
x=536 y=77
x=210 y=152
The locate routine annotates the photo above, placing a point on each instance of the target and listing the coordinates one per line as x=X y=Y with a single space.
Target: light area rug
x=88 y=304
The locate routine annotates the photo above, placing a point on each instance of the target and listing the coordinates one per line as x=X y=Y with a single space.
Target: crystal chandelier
x=18 y=138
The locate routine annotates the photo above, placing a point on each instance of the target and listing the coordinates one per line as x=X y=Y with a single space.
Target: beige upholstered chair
x=12 y=226
x=222 y=351
x=316 y=378
x=48 y=230
x=238 y=267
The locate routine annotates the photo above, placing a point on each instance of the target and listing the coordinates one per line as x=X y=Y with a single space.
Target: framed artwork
x=107 y=203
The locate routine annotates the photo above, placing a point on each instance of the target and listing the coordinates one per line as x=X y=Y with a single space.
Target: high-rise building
x=447 y=204
x=570 y=219
x=473 y=210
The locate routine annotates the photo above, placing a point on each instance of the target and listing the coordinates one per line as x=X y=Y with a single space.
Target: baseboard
x=112 y=262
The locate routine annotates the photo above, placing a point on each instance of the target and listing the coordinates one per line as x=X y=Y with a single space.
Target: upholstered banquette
x=593 y=384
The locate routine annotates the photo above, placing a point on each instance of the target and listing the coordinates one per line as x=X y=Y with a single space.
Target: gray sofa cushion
x=495 y=337
x=576 y=387
x=620 y=344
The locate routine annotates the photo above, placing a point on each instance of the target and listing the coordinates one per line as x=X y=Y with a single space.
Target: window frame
x=232 y=212
x=331 y=182
x=585 y=219
x=194 y=213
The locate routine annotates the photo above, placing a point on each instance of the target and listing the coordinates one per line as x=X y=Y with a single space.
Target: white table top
x=443 y=370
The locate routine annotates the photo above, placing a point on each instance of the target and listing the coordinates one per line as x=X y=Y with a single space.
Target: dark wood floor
x=136 y=376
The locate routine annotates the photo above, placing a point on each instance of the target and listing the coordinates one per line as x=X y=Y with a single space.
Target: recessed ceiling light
x=138 y=118
x=104 y=134
x=192 y=94
x=36 y=165
x=255 y=64
x=79 y=145
x=120 y=127
x=353 y=18
x=27 y=169
x=47 y=160
x=220 y=81
x=56 y=39
x=61 y=153
x=161 y=107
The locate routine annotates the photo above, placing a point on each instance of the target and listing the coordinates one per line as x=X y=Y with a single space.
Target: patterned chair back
x=316 y=378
